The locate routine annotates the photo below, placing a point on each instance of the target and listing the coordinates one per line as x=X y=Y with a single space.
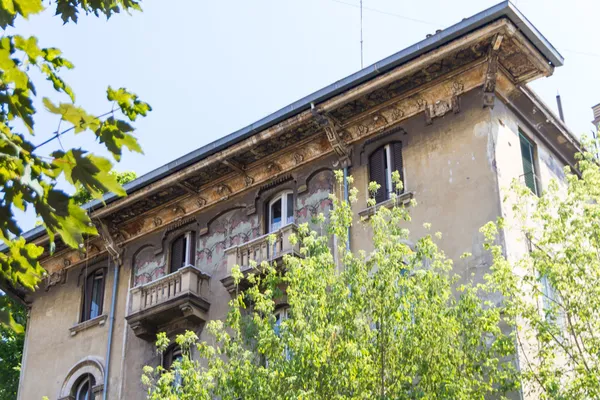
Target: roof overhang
x=525 y=56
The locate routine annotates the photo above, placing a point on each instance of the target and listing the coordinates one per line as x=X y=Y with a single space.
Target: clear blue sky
x=210 y=68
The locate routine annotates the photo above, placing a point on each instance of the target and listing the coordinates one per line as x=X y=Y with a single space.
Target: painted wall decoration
x=147 y=266
x=316 y=199
x=232 y=228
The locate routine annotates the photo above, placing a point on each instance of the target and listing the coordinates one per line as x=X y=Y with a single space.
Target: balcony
x=259 y=250
x=173 y=300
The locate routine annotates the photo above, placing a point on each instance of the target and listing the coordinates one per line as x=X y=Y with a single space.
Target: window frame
x=88 y=295
x=85 y=381
x=283 y=196
x=523 y=138
x=389 y=164
x=188 y=251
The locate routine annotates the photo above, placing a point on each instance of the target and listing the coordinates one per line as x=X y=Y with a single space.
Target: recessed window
x=280 y=316
x=93 y=295
x=182 y=251
x=171 y=356
x=84 y=390
x=281 y=211
x=527 y=156
x=382 y=163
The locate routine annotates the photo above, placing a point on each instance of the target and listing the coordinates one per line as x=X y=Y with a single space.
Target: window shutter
x=377 y=173
x=397 y=161
x=178 y=253
x=87 y=297
x=192 y=248
x=528 y=166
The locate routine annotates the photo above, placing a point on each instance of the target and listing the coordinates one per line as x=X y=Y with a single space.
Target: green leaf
x=129 y=103
x=115 y=134
x=77 y=116
x=89 y=171
x=29 y=46
x=28 y=7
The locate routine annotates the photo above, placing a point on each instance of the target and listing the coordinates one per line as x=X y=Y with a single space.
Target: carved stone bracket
x=111 y=235
x=489 y=84
x=223 y=191
x=438 y=109
x=342 y=150
x=55 y=278
x=241 y=169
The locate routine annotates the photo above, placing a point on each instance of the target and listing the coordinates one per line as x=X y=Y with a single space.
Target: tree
x=389 y=324
x=82 y=196
x=27 y=179
x=553 y=291
x=11 y=349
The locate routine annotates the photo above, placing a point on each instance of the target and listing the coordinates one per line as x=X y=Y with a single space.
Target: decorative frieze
x=438 y=99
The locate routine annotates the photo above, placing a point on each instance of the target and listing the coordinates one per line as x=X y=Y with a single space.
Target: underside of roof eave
x=474 y=23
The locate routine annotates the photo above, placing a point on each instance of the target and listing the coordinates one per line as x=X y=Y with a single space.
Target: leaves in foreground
x=384 y=324
x=28 y=177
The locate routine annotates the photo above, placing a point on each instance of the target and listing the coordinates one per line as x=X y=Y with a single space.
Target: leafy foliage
x=82 y=196
x=28 y=180
x=553 y=291
x=381 y=325
x=11 y=349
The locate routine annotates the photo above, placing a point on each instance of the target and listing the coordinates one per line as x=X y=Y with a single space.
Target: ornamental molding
x=438 y=99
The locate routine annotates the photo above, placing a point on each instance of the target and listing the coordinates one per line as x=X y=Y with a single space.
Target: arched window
x=172 y=355
x=83 y=391
x=182 y=251
x=281 y=211
x=93 y=295
x=382 y=163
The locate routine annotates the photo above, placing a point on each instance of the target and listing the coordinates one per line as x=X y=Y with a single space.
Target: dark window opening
x=182 y=251
x=382 y=163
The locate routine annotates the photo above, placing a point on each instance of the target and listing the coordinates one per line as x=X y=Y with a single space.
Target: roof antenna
x=361 y=35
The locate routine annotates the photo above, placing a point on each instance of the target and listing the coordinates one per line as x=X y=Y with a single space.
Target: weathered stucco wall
x=51 y=348
x=449 y=166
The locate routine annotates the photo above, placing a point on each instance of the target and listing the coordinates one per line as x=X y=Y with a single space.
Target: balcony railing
x=180 y=295
x=259 y=250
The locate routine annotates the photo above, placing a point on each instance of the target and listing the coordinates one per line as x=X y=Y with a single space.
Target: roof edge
x=504 y=9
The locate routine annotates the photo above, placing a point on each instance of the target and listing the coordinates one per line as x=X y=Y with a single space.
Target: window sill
x=402 y=199
x=100 y=320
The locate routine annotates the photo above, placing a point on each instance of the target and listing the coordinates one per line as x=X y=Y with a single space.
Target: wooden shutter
x=87 y=297
x=528 y=166
x=377 y=173
x=192 y=248
x=178 y=253
x=396 y=150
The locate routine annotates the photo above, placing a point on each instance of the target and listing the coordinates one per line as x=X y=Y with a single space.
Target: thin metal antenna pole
x=361 y=35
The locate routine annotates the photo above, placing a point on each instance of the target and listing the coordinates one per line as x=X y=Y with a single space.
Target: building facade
x=452 y=113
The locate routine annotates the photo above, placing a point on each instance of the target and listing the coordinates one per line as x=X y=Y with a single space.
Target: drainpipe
x=346 y=198
x=110 y=329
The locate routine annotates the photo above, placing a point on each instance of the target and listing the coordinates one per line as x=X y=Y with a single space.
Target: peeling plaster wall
x=450 y=168
x=229 y=229
x=315 y=200
x=51 y=349
x=147 y=266
x=548 y=167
